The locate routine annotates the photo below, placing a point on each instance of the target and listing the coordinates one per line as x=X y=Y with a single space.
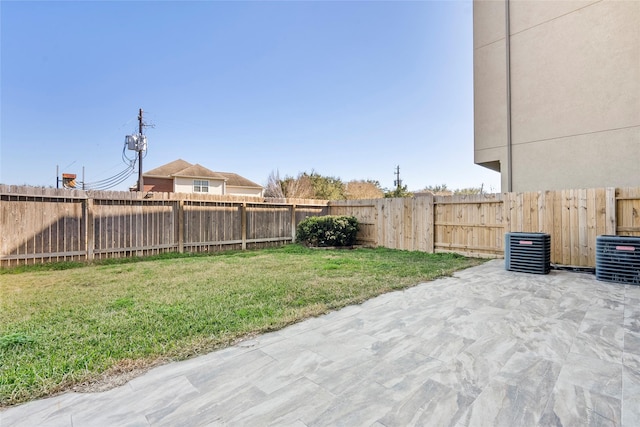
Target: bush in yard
x=329 y=230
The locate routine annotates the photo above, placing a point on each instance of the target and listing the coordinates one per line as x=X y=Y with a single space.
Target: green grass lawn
x=67 y=324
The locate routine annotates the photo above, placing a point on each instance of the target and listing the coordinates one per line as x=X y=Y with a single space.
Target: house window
x=200 y=186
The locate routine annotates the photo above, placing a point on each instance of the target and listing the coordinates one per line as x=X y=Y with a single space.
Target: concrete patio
x=485 y=347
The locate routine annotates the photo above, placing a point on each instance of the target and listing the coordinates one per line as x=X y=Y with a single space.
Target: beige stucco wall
x=490 y=98
x=575 y=92
x=244 y=191
x=185 y=185
x=581 y=161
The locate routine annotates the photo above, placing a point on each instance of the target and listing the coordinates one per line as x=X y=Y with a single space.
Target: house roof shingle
x=199 y=171
x=184 y=169
x=235 y=180
x=168 y=170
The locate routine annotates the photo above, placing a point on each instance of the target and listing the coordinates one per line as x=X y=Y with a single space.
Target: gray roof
x=235 y=180
x=168 y=170
x=184 y=169
x=199 y=171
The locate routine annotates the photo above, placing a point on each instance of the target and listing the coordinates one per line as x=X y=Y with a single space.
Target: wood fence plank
x=574 y=228
x=610 y=208
x=583 y=230
x=565 y=230
x=547 y=218
x=592 y=224
x=527 y=208
x=628 y=211
x=499 y=219
x=430 y=227
x=90 y=244
x=407 y=223
x=634 y=193
x=601 y=212
x=542 y=212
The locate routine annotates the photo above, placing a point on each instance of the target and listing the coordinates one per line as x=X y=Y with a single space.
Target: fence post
x=89 y=238
x=243 y=219
x=430 y=228
x=611 y=226
x=293 y=223
x=178 y=211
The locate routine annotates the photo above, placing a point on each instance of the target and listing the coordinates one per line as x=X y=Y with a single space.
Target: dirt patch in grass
x=117 y=375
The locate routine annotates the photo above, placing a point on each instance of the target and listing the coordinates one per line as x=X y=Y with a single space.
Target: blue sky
x=347 y=89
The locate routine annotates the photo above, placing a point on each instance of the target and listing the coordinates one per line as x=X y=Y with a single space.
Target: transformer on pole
x=138 y=142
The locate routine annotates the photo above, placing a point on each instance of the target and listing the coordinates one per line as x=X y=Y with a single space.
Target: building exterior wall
x=185 y=185
x=244 y=191
x=158 y=184
x=570 y=85
x=489 y=86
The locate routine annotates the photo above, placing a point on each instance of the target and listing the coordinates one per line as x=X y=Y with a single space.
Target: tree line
x=312 y=185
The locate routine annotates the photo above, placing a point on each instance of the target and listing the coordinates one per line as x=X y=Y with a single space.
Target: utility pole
x=140 y=181
x=398 y=181
x=138 y=143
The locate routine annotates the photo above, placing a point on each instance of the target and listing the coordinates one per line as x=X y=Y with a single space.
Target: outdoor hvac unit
x=528 y=252
x=618 y=259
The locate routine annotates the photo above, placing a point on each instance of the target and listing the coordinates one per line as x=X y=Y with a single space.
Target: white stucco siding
x=185 y=185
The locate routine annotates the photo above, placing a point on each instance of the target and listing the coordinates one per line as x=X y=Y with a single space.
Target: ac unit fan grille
x=528 y=252
x=618 y=259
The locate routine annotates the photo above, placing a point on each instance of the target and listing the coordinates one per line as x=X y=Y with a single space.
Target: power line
x=136 y=142
x=111 y=182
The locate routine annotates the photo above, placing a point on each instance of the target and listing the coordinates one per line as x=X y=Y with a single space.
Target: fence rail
x=39 y=225
x=475 y=224
x=43 y=225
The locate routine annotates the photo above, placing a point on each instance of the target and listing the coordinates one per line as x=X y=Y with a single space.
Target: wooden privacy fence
x=41 y=225
x=55 y=225
x=476 y=224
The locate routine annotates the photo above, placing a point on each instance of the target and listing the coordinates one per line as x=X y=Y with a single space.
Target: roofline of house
x=244 y=186
x=221 y=178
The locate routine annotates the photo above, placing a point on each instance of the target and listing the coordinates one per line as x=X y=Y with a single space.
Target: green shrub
x=329 y=230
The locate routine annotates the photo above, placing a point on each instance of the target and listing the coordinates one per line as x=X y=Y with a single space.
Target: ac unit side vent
x=618 y=259
x=528 y=252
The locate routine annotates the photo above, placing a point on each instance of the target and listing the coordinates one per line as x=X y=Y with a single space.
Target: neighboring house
x=180 y=176
x=557 y=92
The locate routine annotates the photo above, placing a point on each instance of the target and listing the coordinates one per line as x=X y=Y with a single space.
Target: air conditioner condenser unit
x=618 y=259
x=528 y=252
